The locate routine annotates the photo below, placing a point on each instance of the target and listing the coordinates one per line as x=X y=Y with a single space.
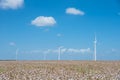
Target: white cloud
x=114 y=50
x=11 y=4
x=68 y=50
x=63 y=50
x=78 y=50
x=59 y=35
x=43 y=21
x=46 y=30
x=74 y=11
x=51 y=51
x=12 y=44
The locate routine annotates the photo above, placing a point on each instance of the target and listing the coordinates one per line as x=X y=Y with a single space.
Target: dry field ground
x=59 y=70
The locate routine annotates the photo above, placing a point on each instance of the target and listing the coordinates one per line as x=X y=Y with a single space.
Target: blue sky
x=41 y=26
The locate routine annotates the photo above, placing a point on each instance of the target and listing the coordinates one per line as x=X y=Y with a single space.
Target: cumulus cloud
x=11 y=4
x=74 y=11
x=12 y=44
x=43 y=21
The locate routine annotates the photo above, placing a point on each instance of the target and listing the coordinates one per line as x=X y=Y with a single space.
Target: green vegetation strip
x=2 y=69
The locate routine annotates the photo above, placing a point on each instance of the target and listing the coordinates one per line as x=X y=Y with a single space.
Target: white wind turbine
x=17 y=54
x=95 y=43
x=59 y=52
x=45 y=54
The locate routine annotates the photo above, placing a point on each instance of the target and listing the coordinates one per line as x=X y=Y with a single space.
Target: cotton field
x=59 y=70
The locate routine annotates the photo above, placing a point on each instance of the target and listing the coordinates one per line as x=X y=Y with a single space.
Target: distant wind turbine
x=59 y=52
x=17 y=54
x=45 y=56
x=95 y=43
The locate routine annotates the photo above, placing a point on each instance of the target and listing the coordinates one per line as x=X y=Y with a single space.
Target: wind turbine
x=17 y=53
x=59 y=52
x=95 y=43
x=45 y=56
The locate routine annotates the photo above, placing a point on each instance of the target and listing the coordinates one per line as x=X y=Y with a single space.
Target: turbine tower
x=17 y=53
x=59 y=52
x=45 y=56
x=95 y=43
